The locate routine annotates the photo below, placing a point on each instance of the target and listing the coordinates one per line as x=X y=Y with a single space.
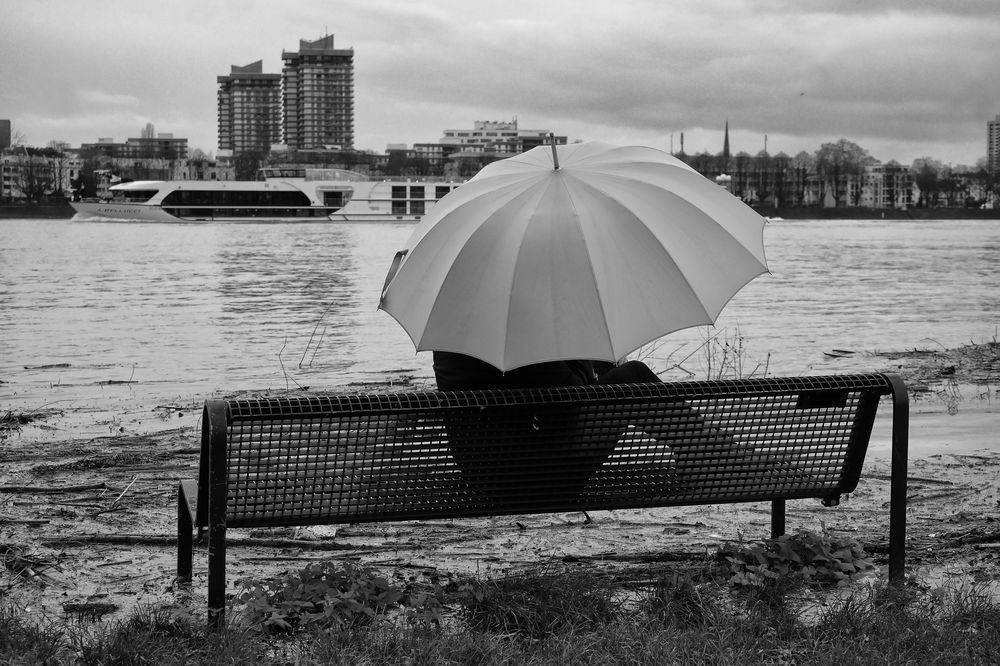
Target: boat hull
x=134 y=212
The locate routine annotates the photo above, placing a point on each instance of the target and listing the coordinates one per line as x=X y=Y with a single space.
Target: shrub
x=803 y=557
x=322 y=595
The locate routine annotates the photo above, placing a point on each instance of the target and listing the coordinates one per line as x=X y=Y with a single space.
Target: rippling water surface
x=96 y=312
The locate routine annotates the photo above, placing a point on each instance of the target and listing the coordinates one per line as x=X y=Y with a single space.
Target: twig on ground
x=118 y=499
x=108 y=510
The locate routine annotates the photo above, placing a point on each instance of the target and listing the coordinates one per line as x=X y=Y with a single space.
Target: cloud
x=907 y=74
x=107 y=99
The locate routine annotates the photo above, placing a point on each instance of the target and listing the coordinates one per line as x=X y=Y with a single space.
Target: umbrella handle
x=393 y=269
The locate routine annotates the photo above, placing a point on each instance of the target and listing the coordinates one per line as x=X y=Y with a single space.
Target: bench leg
x=184 y=541
x=777 y=518
x=897 y=513
x=897 y=490
x=217 y=576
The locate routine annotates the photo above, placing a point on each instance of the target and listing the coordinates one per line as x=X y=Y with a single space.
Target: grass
x=565 y=614
x=722 y=354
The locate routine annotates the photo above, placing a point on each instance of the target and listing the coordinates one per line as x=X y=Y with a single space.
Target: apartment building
x=993 y=145
x=249 y=107
x=887 y=185
x=31 y=174
x=496 y=136
x=317 y=89
x=162 y=146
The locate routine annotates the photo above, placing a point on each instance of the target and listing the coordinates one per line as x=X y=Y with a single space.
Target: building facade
x=249 y=107
x=497 y=137
x=993 y=145
x=887 y=185
x=317 y=96
x=36 y=174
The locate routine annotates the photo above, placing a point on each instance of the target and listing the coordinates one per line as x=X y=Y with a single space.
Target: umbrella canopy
x=585 y=251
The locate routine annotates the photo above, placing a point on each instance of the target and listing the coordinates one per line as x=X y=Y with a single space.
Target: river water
x=111 y=318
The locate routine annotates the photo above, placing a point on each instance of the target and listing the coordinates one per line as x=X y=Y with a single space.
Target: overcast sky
x=903 y=79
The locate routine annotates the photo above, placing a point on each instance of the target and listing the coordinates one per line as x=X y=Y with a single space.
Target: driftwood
x=31 y=522
x=917 y=479
x=43 y=490
x=160 y=540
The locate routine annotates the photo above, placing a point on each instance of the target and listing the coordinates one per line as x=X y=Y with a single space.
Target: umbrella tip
x=555 y=156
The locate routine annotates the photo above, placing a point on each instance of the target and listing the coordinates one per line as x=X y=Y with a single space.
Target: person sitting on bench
x=492 y=467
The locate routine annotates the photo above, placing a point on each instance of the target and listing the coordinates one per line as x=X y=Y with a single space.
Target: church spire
x=725 y=143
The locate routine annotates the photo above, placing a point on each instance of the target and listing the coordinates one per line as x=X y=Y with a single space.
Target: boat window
x=240 y=198
x=338 y=198
x=441 y=191
x=133 y=195
x=399 y=207
x=399 y=191
x=416 y=191
x=417 y=207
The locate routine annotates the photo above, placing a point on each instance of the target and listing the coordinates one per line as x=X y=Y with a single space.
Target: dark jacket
x=458 y=372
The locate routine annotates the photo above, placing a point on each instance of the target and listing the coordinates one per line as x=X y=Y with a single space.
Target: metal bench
x=295 y=461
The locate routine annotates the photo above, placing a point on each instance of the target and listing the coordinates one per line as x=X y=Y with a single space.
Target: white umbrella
x=585 y=251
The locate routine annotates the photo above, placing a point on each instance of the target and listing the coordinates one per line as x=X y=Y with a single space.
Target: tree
x=838 y=164
x=801 y=165
x=926 y=175
x=763 y=177
x=781 y=165
x=17 y=137
x=60 y=160
x=247 y=164
x=85 y=184
x=33 y=177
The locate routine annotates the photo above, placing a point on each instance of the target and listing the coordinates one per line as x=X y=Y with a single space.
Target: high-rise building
x=249 y=109
x=317 y=87
x=993 y=145
x=4 y=134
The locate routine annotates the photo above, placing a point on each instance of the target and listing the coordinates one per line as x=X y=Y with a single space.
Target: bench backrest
x=400 y=456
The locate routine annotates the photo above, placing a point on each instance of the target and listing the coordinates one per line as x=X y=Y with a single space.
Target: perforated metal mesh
x=332 y=459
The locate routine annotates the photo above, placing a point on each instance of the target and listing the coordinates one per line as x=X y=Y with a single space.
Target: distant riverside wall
x=810 y=213
x=65 y=211
x=47 y=210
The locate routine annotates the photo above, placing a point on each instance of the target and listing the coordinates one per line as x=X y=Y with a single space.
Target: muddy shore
x=88 y=524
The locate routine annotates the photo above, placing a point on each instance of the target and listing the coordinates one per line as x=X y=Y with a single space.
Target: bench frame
x=205 y=503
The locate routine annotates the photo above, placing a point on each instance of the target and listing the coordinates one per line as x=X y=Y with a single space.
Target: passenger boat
x=281 y=195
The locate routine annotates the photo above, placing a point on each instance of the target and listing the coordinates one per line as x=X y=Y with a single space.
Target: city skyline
x=901 y=79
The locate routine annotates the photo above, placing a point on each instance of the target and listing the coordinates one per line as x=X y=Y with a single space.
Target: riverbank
x=89 y=523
